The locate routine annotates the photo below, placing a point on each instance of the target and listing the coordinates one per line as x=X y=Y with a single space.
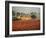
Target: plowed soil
x=22 y=25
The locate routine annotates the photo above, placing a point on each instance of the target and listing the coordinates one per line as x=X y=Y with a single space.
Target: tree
x=18 y=14
x=13 y=15
x=33 y=15
x=22 y=14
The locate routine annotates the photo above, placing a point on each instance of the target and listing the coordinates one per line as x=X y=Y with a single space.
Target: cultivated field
x=22 y=25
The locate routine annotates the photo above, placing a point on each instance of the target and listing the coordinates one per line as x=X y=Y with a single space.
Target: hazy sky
x=26 y=9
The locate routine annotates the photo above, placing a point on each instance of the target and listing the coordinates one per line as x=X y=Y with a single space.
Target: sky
x=26 y=9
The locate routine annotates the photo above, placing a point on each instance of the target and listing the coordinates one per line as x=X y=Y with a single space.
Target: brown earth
x=22 y=25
